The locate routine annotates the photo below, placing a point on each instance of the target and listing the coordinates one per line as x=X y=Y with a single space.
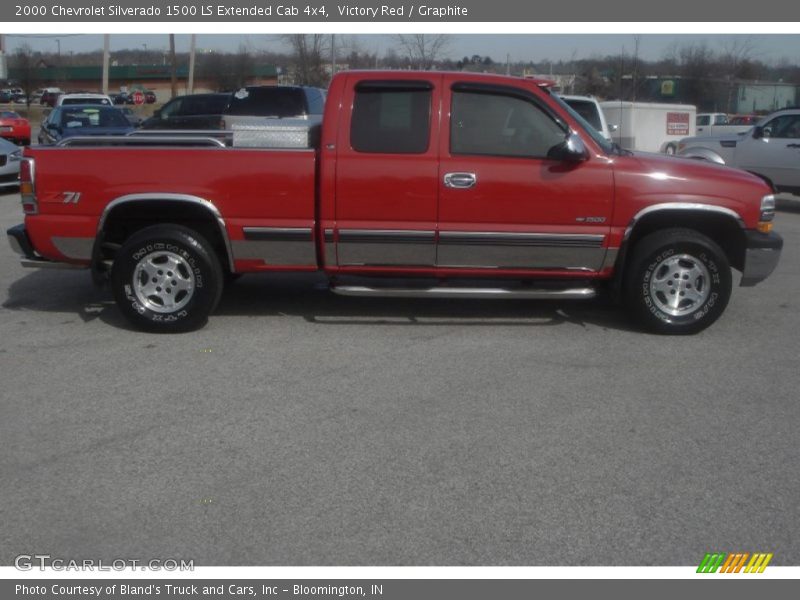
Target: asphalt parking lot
x=303 y=428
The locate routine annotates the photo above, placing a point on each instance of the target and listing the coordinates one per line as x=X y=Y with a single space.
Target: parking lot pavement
x=303 y=428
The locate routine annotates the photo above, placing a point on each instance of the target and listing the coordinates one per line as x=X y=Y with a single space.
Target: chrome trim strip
x=278 y=252
x=177 y=197
x=278 y=234
x=682 y=206
x=79 y=248
x=454 y=292
x=491 y=238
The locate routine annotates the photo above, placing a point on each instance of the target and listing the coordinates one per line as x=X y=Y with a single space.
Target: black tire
x=166 y=278
x=678 y=281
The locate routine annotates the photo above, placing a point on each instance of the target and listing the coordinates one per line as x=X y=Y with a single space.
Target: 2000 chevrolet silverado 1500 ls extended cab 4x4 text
x=422 y=184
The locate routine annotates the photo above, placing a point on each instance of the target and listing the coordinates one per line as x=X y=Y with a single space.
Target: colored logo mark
x=734 y=562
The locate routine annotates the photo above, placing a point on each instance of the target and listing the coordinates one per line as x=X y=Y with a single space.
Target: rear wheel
x=678 y=281
x=166 y=278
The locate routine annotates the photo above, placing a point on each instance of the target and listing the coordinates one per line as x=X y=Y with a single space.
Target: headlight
x=767 y=214
x=15 y=156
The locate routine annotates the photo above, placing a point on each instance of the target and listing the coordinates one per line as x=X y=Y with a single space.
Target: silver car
x=10 y=156
x=770 y=149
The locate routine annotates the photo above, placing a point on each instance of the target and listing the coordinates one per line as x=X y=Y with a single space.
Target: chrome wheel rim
x=680 y=285
x=163 y=282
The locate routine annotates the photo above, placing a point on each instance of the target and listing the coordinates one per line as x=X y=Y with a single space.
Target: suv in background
x=274 y=102
x=195 y=111
x=80 y=98
x=589 y=108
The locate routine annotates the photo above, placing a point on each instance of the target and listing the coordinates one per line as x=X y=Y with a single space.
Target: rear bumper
x=21 y=244
x=762 y=252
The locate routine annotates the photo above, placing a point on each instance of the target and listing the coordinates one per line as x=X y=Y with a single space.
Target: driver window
x=171 y=108
x=495 y=124
x=785 y=126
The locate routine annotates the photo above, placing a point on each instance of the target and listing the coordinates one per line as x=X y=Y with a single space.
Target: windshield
x=606 y=145
x=92 y=117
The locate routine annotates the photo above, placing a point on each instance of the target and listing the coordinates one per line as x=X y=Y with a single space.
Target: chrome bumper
x=763 y=250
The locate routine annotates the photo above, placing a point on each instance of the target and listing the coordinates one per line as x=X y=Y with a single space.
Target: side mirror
x=613 y=128
x=758 y=132
x=571 y=149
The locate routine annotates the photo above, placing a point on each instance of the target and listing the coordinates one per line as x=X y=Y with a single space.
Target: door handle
x=460 y=180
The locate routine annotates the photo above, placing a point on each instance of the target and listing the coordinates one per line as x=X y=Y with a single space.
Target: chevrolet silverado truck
x=420 y=184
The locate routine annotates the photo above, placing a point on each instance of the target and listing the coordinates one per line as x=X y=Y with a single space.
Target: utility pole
x=106 y=57
x=333 y=55
x=190 y=83
x=173 y=66
x=3 y=63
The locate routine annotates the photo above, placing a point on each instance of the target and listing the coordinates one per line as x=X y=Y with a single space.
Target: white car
x=10 y=156
x=589 y=108
x=770 y=149
x=102 y=99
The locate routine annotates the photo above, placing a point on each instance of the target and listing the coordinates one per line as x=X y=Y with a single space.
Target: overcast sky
x=768 y=48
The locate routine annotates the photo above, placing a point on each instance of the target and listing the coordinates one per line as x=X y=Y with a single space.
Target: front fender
x=703 y=153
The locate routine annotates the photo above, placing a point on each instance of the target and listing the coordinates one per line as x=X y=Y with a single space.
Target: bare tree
x=423 y=51
x=735 y=55
x=24 y=62
x=308 y=52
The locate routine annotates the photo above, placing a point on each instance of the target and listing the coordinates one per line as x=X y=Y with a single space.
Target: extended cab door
x=503 y=204
x=387 y=171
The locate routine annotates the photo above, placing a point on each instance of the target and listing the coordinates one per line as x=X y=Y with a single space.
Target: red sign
x=138 y=97
x=677 y=123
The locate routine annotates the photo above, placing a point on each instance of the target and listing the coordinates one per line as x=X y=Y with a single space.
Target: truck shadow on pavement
x=306 y=296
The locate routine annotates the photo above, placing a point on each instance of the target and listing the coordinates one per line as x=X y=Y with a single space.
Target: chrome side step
x=43 y=263
x=583 y=293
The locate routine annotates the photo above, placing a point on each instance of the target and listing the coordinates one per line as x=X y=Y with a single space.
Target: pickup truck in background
x=770 y=149
x=423 y=184
x=716 y=124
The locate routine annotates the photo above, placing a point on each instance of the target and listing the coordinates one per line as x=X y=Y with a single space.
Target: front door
x=503 y=204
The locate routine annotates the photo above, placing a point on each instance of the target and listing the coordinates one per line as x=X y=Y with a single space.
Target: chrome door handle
x=460 y=180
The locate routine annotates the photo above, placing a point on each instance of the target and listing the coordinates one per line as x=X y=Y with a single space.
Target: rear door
x=504 y=204
x=387 y=172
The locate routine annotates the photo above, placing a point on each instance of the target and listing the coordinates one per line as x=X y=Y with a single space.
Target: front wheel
x=166 y=278
x=678 y=281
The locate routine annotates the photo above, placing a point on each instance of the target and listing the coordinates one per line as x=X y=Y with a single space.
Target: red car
x=14 y=128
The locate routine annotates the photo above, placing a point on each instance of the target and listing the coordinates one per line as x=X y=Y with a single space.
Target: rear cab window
x=392 y=117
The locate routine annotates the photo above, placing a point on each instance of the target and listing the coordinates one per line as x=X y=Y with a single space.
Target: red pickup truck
x=429 y=184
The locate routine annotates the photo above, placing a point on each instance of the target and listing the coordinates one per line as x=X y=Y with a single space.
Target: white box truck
x=649 y=127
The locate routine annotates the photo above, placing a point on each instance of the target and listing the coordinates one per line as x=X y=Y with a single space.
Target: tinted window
x=171 y=108
x=276 y=101
x=785 y=126
x=500 y=125
x=588 y=110
x=720 y=120
x=203 y=105
x=7 y=114
x=316 y=101
x=391 y=120
x=703 y=120
x=92 y=117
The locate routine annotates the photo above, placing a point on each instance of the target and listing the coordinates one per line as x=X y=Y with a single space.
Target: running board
x=583 y=293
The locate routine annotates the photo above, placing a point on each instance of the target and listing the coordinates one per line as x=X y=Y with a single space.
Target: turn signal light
x=764 y=227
